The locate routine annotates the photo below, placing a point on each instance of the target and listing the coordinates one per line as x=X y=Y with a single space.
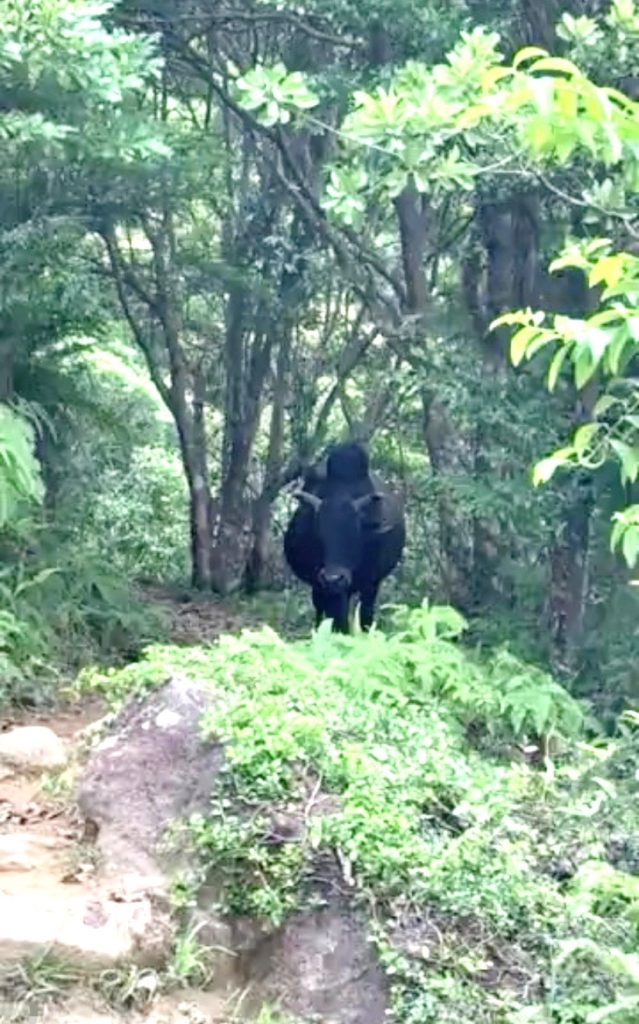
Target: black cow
x=346 y=536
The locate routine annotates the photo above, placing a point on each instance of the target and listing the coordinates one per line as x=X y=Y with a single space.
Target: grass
x=472 y=808
x=27 y=987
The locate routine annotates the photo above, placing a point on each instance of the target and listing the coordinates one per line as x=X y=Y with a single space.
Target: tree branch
x=139 y=335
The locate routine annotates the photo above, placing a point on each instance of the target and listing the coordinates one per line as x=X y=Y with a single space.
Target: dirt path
x=48 y=881
x=45 y=869
x=187 y=1007
x=199 y=618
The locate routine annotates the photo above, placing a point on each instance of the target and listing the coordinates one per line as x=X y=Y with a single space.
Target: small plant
x=31 y=984
x=190 y=962
x=58 y=785
x=124 y=504
x=269 y=1015
x=260 y=877
x=129 y=987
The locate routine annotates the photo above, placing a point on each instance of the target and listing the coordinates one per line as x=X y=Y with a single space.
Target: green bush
x=432 y=811
x=60 y=608
x=138 y=518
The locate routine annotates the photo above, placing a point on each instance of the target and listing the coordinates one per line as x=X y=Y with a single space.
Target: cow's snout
x=334 y=579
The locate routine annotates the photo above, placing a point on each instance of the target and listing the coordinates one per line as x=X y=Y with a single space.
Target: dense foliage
x=499 y=884
x=217 y=258
x=235 y=233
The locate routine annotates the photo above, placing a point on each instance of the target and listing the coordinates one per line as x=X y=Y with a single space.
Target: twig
x=312 y=800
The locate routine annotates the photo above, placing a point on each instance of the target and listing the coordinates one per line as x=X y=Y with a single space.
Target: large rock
x=90 y=931
x=321 y=966
x=31 y=748
x=153 y=770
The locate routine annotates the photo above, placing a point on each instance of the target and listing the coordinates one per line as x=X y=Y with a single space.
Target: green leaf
x=519 y=343
x=539 y=133
x=584 y=436
x=545 y=337
x=541 y=710
x=555 y=366
x=630 y=546
x=547 y=467
x=508 y=319
x=625 y=1005
x=605 y=316
x=567 y=98
x=628 y=455
x=583 y=368
x=527 y=53
x=619 y=346
x=632 y=323
x=490 y=78
x=543 y=93
x=608 y=269
x=626 y=285
x=603 y=404
x=560 y=64
x=569 y=259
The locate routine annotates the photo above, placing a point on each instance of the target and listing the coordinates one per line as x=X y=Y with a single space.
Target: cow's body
x=347 y=535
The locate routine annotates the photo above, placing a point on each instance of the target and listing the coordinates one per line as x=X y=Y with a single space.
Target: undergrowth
x=60 y=608
x=467 y=804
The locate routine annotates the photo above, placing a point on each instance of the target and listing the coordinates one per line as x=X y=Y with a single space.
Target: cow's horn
x=361 y=503
x=308 y=499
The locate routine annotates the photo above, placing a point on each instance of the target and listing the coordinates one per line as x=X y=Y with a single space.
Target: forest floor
x=44 y=862
x=517 y=861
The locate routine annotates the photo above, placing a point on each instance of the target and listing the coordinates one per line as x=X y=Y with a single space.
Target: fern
x=20 y=478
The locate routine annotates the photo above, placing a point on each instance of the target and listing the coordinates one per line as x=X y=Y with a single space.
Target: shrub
x=401 y=740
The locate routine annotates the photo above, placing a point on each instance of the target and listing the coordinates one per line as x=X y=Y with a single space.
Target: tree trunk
x=569 y=563
x=201 y=505
x=245 y=378
x=509 y=234
x=6 y=369
x=256 y=565
x=228 y=544
x=510 y=238
x=412 y=215
x=570 y=550
x=439 y=435
x=194 y=459
x=164 y=305
x=189 y=421
x=444 y=452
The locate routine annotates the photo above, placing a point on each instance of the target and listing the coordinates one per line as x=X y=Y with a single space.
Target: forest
x=233 y=234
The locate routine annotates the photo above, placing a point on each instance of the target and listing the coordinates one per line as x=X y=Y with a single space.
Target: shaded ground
x=194 y=618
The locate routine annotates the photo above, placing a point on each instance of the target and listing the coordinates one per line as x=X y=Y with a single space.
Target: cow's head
x=339 y=529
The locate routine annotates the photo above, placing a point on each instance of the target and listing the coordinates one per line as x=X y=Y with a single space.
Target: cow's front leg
x=368 y=597
x=318 y=604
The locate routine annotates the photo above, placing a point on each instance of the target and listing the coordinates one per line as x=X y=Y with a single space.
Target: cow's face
x=338 y=525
